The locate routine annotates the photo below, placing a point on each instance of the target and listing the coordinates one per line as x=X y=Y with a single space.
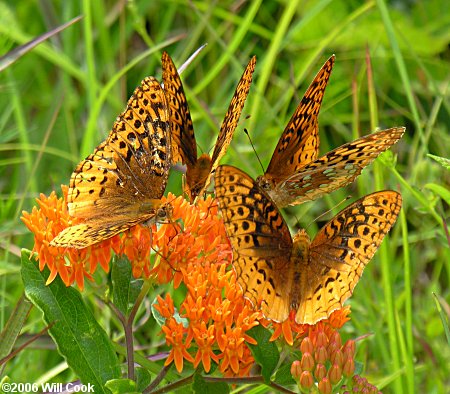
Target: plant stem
x=158 y=379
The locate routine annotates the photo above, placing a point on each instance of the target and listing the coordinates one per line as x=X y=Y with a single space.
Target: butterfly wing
x=127 y=174
x=341 y=250
x=184 y=147
x=89 y=233
x=334 y=170
x=233 y=114
x=260 y=240
x=299 y=143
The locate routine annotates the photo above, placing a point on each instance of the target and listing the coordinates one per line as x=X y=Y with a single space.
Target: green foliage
x=60 y=98
x=266 y=353
x=126 y=288
x=200 y=386
x=73 y=327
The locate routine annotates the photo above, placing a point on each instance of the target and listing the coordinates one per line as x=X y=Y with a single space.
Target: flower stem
x=158 y=379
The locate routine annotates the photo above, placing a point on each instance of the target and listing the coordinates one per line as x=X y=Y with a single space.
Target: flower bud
x=349 y=348
x=332 y=347
x=306 y=346
x=307 y=362
x=337 y=357
x=296 y=370
x=321 y=355
x=320 y=372
x=336 y=337
x=325 y=386
x=306 y=380
x=335 y=374
x=349 y=368
x=322 y=339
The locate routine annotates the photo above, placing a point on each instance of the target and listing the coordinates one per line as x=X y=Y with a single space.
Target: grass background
x=60 y=99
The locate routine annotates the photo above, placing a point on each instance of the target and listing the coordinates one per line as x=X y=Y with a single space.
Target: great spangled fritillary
x=282 y=274
x=336 y=169
x=199 y=170
x=121 y=183
x=295 y=175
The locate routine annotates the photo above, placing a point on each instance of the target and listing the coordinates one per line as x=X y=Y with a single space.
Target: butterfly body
x=280 y=273
x=121 y=183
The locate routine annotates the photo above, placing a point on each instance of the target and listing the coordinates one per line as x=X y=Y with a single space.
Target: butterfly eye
x=265 y=185
x=161 y=213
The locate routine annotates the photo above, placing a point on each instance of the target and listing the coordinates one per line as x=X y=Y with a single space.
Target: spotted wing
x=341 y=250
x=261 y=241
x=184 y=147
x=126 y=175
x=89 y=233
x=334 y=170
x=299 y=143
x=233 y=114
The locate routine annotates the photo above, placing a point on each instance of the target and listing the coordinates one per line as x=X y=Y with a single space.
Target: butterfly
x=184 y=147
x=295 y=174
x=281 y=273
x=121 y=183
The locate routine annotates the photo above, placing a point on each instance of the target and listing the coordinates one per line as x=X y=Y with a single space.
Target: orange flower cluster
x=211 y=324
x=46 y=222
x=217 y=314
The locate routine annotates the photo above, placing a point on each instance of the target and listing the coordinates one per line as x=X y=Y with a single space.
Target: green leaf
x=14 y=325
x=283 y=375
x=79 y=338
x=439 y=190
x=143 y=378
x=359 y=368
x=445 y=162
x=266 y=353
x=125 y=287
x=443 y=316
x=122 y=386
x=201 y=386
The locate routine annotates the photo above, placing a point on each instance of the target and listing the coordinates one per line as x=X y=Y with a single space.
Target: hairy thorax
x=279 y=196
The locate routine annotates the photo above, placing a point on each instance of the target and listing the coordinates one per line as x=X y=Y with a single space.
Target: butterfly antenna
x=254 y=150
x=328 y=211
x=190 y=59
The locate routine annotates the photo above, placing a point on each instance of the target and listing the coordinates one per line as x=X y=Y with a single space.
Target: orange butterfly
x=282 y=274
x=295 y=174
x=122 y=182
x=184 y=147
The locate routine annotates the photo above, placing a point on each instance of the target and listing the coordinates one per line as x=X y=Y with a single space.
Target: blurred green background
x=60 y=99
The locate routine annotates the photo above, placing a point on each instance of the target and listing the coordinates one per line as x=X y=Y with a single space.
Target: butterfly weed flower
x=176 y=339
x=136 y=244
x=72 y=265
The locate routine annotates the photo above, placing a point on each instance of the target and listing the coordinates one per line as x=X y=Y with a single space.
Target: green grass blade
x=408 y=358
